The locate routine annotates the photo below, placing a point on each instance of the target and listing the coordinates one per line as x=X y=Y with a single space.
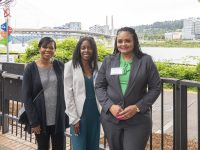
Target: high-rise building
x=191 y=28
x=197 y=29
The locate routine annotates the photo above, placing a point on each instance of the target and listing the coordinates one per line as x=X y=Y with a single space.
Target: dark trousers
x=58 y=140
x=125 y=136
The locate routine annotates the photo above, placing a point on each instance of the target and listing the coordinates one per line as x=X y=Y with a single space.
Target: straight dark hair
x=45 y=41
x=76 y=59
x=137 y=50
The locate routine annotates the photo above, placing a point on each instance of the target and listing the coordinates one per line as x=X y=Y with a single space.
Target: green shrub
x=178 y=71
x=64 y=51
x=102 y=52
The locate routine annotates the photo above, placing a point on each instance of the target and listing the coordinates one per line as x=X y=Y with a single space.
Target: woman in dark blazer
x=46 y=114
x=127 y=85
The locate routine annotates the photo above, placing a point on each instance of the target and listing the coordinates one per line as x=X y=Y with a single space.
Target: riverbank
x=171 y=43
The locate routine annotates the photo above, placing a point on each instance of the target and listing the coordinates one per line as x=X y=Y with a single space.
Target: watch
x=137 y=109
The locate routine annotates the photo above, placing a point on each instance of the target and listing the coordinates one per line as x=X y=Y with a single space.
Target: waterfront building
x=75 y=26
x=173 y=36
x=191 y=28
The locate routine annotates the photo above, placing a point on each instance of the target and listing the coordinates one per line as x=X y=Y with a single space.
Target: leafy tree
x=158 y=29
x=102 y=51
x=65 y=49
x=63 y=52
x=31 y=53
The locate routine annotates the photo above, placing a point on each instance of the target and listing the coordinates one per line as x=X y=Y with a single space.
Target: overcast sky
x=40 y=13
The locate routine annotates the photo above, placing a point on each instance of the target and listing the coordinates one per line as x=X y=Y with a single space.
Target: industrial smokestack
x=106 y=20
x=106 y=27
x=112 y=25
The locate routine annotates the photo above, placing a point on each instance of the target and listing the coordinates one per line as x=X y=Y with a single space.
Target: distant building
x=99 y=29
x=197 y=30
x=191 y=28
x=173 y=36
x=76 y=26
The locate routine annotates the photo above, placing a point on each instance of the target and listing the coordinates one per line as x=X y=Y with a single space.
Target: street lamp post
x=6 y=8
x=7 y=40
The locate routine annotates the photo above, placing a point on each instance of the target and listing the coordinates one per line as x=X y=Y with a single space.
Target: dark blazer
x=143 y=76
x=31 y=86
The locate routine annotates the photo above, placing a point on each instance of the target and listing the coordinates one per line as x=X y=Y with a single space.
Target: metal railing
x=175 y=100
x=184 y=85
x=10 y=103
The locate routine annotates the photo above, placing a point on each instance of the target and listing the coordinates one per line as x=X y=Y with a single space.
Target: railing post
x=162 y=118
x=183 y=117
x=177 y=115
x=3 y=104
x=5 y=110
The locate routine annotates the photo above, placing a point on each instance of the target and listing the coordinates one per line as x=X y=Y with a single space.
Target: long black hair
x=76 y=59
x=137 y=50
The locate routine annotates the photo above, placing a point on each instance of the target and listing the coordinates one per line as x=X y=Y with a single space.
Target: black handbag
x=23 y=119
x=22 y=116
x=66 y=121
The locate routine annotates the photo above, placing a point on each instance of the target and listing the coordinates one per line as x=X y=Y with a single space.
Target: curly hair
x=137 y=50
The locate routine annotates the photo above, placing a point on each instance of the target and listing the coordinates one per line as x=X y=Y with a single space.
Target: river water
x=174 y=55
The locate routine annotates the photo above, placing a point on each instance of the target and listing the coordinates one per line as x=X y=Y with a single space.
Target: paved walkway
x=11 y=142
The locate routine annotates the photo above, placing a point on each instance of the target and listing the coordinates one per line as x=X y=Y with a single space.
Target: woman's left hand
x=36 y=130
x=77 y=128
x=128 y=112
